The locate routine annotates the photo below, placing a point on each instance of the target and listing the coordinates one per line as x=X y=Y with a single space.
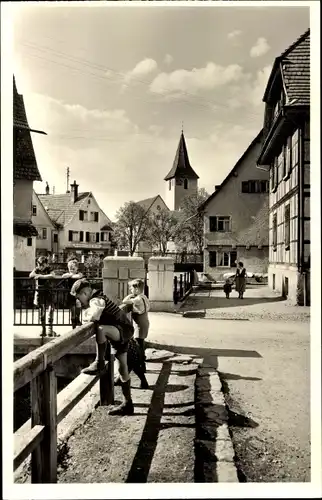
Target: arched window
x=170 y=185
x=185 y=184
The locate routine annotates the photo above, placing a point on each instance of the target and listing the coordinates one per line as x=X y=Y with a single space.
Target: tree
x=132 y=223
x=92 y=265
x=191 y=230
x=162 y=228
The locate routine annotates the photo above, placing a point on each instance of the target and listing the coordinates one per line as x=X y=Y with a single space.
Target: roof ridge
x=294 y=44
x=230 y=173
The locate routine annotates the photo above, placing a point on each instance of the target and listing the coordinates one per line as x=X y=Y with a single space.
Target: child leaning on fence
x=113 y=325
x=44 y=299
x=74 y=304
x=140 y=307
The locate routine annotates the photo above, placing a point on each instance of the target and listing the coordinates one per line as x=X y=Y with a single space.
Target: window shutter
x=96 y=216
x=97 y=237
x=102 y=236
x=70 y=235
x=81 y=236
x=213 y=224
x=81 y=215
x=245 y=187
x=87 y=236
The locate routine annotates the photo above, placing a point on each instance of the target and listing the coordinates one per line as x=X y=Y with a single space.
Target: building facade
x=236 y=218
x=182 y=180
x=286 y=155
x=151 y=206
x=83 y=227
x=47 y=237
x=25 y=172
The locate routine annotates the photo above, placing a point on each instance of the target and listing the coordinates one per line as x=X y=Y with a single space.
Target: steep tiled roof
x=25 y=164
x=181 y=166
x=147 y=203
x=60 y=207
x=256 y=141
x=295 y=63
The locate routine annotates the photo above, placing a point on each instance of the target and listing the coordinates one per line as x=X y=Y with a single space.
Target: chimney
x=47 y=188
x=74 y=191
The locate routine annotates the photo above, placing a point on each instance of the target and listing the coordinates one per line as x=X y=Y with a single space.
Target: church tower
x=182 y=180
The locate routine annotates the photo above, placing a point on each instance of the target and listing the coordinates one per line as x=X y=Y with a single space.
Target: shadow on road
x=193 y=304
x=209 y=355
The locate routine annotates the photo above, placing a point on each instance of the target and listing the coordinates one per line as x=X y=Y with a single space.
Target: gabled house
x=285 y=154
x=150 y=205
x=83 y=226
x=47 y=229
x=236 y=218
x=25 y=172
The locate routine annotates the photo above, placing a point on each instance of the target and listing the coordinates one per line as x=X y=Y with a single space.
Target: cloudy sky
x=111 y=86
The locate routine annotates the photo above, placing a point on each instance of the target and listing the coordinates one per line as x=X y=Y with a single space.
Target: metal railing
x=32 y=303
x=38 y=436
x=182 y=286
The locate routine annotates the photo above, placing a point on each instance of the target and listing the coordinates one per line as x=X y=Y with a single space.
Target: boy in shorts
x=114 y=326
x=140 y=307
x=74 y=304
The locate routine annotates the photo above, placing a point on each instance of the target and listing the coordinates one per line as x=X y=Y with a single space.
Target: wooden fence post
x=180 y=287
x=43 y=393
x=107 y=380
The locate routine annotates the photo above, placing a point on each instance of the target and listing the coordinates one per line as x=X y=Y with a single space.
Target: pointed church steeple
x=181 y=167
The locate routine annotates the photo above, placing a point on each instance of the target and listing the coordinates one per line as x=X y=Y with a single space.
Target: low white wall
x=161 y=273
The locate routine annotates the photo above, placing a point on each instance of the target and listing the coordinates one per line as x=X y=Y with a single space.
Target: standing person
x=240 y=280
x=112 y=325
x=140 y=308
x=43 y=273
x=74 y=304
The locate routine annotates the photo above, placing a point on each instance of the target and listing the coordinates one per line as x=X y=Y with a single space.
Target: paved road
x=266 y=367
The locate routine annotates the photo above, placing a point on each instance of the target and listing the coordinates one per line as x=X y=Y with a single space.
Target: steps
x=162 y=442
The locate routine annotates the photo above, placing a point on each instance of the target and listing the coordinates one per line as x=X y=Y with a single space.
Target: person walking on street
x=240 y=280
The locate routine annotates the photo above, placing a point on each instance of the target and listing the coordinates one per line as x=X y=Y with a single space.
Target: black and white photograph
x=156 y=210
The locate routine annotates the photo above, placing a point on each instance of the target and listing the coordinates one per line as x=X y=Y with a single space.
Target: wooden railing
x=38 y=436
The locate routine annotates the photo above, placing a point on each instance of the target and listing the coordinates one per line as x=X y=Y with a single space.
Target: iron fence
x=182 y=286
x=33 y=301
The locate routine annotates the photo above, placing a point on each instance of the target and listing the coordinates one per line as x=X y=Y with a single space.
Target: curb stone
x=214 y=446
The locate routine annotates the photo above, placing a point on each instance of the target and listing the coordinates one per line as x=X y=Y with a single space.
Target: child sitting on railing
x=74 y=304
x=43 y=294
x=112 y=325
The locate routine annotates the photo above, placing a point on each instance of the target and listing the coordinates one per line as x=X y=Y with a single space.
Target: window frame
x=44 y=233
x=34 y=210
x=214 y=222
x=287 y=226
x=274 y=229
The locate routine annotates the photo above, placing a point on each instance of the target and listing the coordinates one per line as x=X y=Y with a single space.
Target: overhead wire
x=123 y=75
